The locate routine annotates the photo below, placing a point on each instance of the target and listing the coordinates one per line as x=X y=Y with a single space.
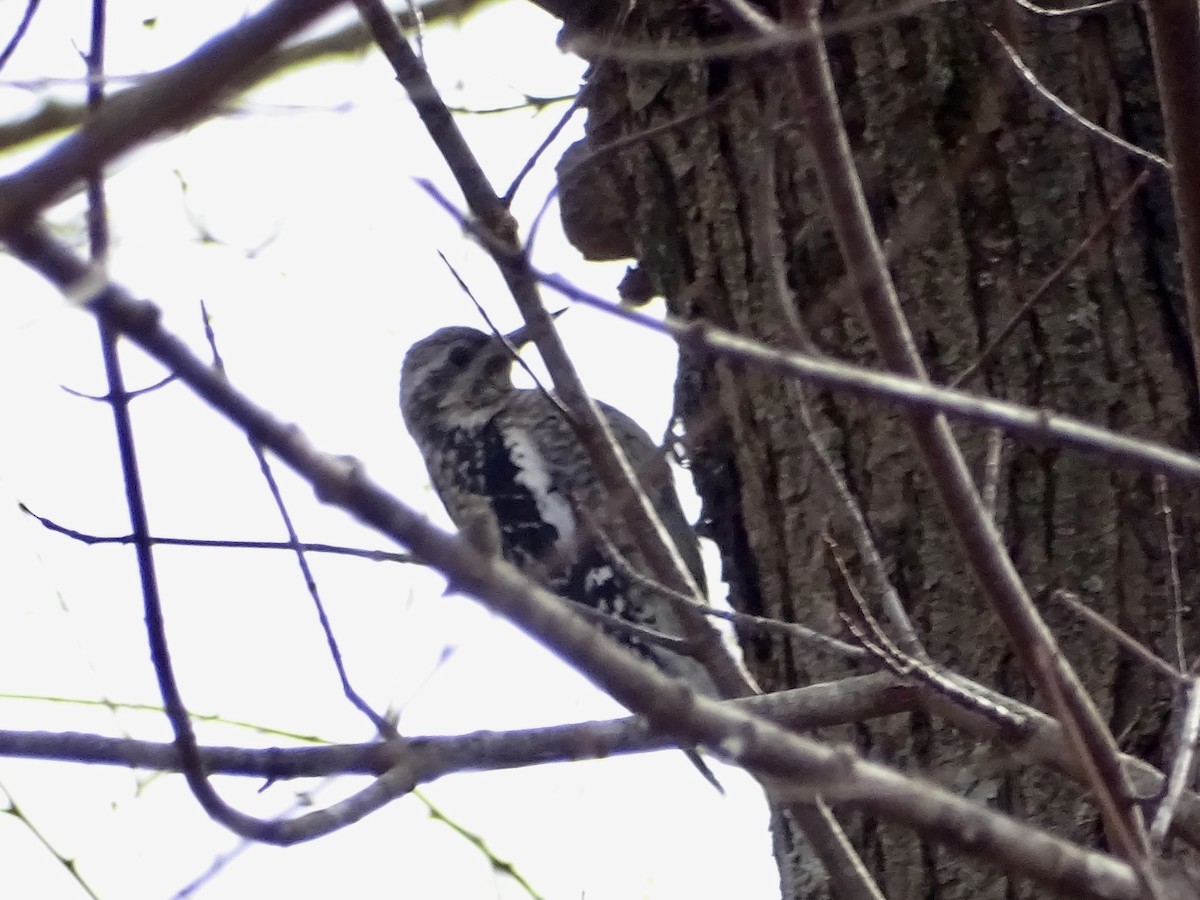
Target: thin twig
x=1126 y=640
x=1124 y=827
x=742 y=45
x=55 y=115
x=871 y=635
x=911 y=394
x=504 y=246
x=173 y=98
x=744 y=622
x=769 y=246
x=382 y=725
x=1182 y=770
x=688 y=719
x=156 y=633
x=1175 y=585
x=131 y=395
x=1071 y=114
x=864 y=542
x=513 y=352
x=15 y=810
x=865 y=265
x=1082 y=10
x=1110 y=216
x=223 y=544
x=554 y=132
x=31 y=7
x=989 y=488
x=530 y=102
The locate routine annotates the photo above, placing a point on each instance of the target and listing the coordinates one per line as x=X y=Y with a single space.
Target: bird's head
x=456 y=373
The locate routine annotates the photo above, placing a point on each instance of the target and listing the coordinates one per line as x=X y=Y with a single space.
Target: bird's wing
x=571 y=468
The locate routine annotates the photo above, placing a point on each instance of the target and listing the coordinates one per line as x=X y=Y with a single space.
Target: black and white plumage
x=512 y=452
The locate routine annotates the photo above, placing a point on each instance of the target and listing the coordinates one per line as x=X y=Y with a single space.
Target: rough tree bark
x=697 y=168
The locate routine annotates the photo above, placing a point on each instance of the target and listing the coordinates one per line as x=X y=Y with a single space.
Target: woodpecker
x=512 y=452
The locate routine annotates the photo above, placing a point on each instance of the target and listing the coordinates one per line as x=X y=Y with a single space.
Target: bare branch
x=739 y=45
x=769 y=245
x=1032 y=734
x=1182 y=771
x=593 y=430
x=156 y=632
x=31 y=7
x=1162 y=492
x=1081 y=10
x=383 y=726
x=126 y=539
x=56 y=115
x=1050 y=280
x=1069 y=113
x=744 y=622
x=909 y=393
x=989 y=488
x=866 y=268
x=171 y=99
x=1124 y=827
x=833 y=703
x=549 y=139
x=1126 y=640
x=916 y=669
x=746 y=740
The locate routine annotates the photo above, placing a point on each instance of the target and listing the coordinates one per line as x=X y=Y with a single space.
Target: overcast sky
x=322 y=270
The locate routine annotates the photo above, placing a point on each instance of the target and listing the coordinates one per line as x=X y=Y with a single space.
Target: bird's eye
x=459 y=356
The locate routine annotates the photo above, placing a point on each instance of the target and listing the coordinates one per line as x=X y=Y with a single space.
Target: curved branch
x=172 y=99
x=794 y=764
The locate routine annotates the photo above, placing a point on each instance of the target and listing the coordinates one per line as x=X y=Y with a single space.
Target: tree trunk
x=697 y=168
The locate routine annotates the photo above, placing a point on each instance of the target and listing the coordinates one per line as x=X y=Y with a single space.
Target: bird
x=512 y=455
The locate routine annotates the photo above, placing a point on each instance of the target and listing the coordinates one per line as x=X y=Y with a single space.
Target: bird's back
x=527 y=465
x=593 y=570
x=569 y=468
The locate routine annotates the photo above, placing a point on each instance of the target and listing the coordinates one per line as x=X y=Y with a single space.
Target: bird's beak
x=525 y=334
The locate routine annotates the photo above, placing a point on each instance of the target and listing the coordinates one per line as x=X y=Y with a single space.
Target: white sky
x=316 y=170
